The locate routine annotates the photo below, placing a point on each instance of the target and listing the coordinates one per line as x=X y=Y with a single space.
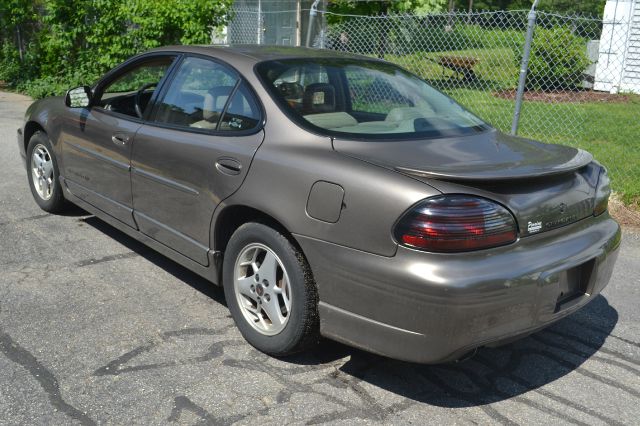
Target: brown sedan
x=330 y=194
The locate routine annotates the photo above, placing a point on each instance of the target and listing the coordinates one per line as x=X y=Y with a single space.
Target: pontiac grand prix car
x=330 y=194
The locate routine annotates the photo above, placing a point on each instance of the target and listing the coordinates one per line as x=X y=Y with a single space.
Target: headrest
x=214 y=101
x=290 y=90
x=319 y=97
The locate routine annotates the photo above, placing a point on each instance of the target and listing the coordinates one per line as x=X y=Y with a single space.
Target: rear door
x=194 y=152
x=97 y=141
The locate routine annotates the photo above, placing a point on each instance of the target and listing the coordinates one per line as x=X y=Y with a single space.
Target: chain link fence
x=246 y=26
x=572 y=85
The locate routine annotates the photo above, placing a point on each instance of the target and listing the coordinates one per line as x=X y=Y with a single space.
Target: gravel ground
x=97 y=328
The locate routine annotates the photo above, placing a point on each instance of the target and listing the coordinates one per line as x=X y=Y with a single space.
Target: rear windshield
x=364 y=99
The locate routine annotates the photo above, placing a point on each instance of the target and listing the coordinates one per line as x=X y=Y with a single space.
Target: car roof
x=259 y=53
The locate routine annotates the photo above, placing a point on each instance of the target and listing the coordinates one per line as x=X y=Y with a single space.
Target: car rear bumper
x=430 y=308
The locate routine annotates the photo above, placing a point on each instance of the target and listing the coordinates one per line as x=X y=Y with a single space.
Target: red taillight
x=453 y=223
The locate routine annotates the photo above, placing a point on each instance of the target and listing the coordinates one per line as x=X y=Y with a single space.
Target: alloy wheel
x=262 y=289
x=42 y=172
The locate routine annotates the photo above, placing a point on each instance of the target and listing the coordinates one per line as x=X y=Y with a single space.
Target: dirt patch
x=14 y=97
x=627 y=216
x=559 y=96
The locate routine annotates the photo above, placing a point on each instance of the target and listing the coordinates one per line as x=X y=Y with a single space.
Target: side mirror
x=79 y=97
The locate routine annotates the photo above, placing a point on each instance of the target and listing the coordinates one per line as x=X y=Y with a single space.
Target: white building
x=271 y=22
x=618 y=68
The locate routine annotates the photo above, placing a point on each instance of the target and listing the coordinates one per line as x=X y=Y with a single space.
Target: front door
x=194 y=152
x=97 y=141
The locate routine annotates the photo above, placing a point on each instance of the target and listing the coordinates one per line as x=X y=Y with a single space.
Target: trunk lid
x=545 y=186
x=487 y=156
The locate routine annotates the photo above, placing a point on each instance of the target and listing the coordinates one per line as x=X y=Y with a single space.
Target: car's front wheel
x=42 y=171
x=270 y=291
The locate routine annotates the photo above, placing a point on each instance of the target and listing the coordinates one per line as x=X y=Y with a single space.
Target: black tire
x=302 y=330
x=56 y=202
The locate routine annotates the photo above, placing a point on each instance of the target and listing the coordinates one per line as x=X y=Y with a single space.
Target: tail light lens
x=455 y=223
x=603 y=192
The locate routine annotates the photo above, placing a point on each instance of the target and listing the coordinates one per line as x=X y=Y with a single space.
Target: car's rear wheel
x=270 y=290
x=42 y=171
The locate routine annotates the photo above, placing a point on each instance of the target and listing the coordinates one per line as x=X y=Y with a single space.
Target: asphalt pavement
x=97 y=328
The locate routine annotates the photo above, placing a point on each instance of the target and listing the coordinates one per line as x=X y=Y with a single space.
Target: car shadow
x=491 y=375
x=496 y=374
x=178 y=271
x=72 y=210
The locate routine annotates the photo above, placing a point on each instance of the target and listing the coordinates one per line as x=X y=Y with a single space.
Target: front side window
x=207 y=95
x=130 y=92
x=364 y=99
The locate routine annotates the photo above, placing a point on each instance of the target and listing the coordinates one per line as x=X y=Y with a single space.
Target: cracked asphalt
x=97 y=328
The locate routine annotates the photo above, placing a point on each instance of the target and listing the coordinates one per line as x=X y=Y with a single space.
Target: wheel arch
x=30 y=128
x=230 y=218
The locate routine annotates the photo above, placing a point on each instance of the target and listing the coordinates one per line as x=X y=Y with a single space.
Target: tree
x=16 y=21
x=72 y=41
x=420 y=6
x=359 y=7
x=587 y=7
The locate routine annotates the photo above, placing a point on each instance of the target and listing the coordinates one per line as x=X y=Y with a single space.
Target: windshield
x=364 y=99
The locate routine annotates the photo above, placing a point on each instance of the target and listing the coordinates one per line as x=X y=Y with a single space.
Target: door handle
x=229 y=166
x=120 y=139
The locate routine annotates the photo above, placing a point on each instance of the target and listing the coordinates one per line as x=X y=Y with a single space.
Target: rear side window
x=242 y=112
x=363 y=99
x=207 y=95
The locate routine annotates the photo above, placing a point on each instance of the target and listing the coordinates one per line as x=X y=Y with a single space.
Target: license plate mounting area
x=574 y=283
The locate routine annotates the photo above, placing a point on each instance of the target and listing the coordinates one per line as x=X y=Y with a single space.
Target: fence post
x=313 y=11
x=524 y=67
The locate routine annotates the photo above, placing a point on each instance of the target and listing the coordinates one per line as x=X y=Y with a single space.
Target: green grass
x=608 y=130
x=496 y=68
x=611 y=135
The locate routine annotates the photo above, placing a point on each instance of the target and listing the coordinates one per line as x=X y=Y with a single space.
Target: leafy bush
x=444 y=38
x=9 y=62
x=42 y=87
x=558 y=60
x=490 y=38
x=401 y=35
x=71 y=42
x=407 y=34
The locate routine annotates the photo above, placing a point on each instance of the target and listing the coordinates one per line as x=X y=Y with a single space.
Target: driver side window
x=121 y=94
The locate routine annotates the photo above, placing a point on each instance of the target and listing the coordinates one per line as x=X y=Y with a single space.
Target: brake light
x=455 y=223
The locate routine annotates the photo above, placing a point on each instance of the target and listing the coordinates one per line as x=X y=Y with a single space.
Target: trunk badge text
x=534 y=227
